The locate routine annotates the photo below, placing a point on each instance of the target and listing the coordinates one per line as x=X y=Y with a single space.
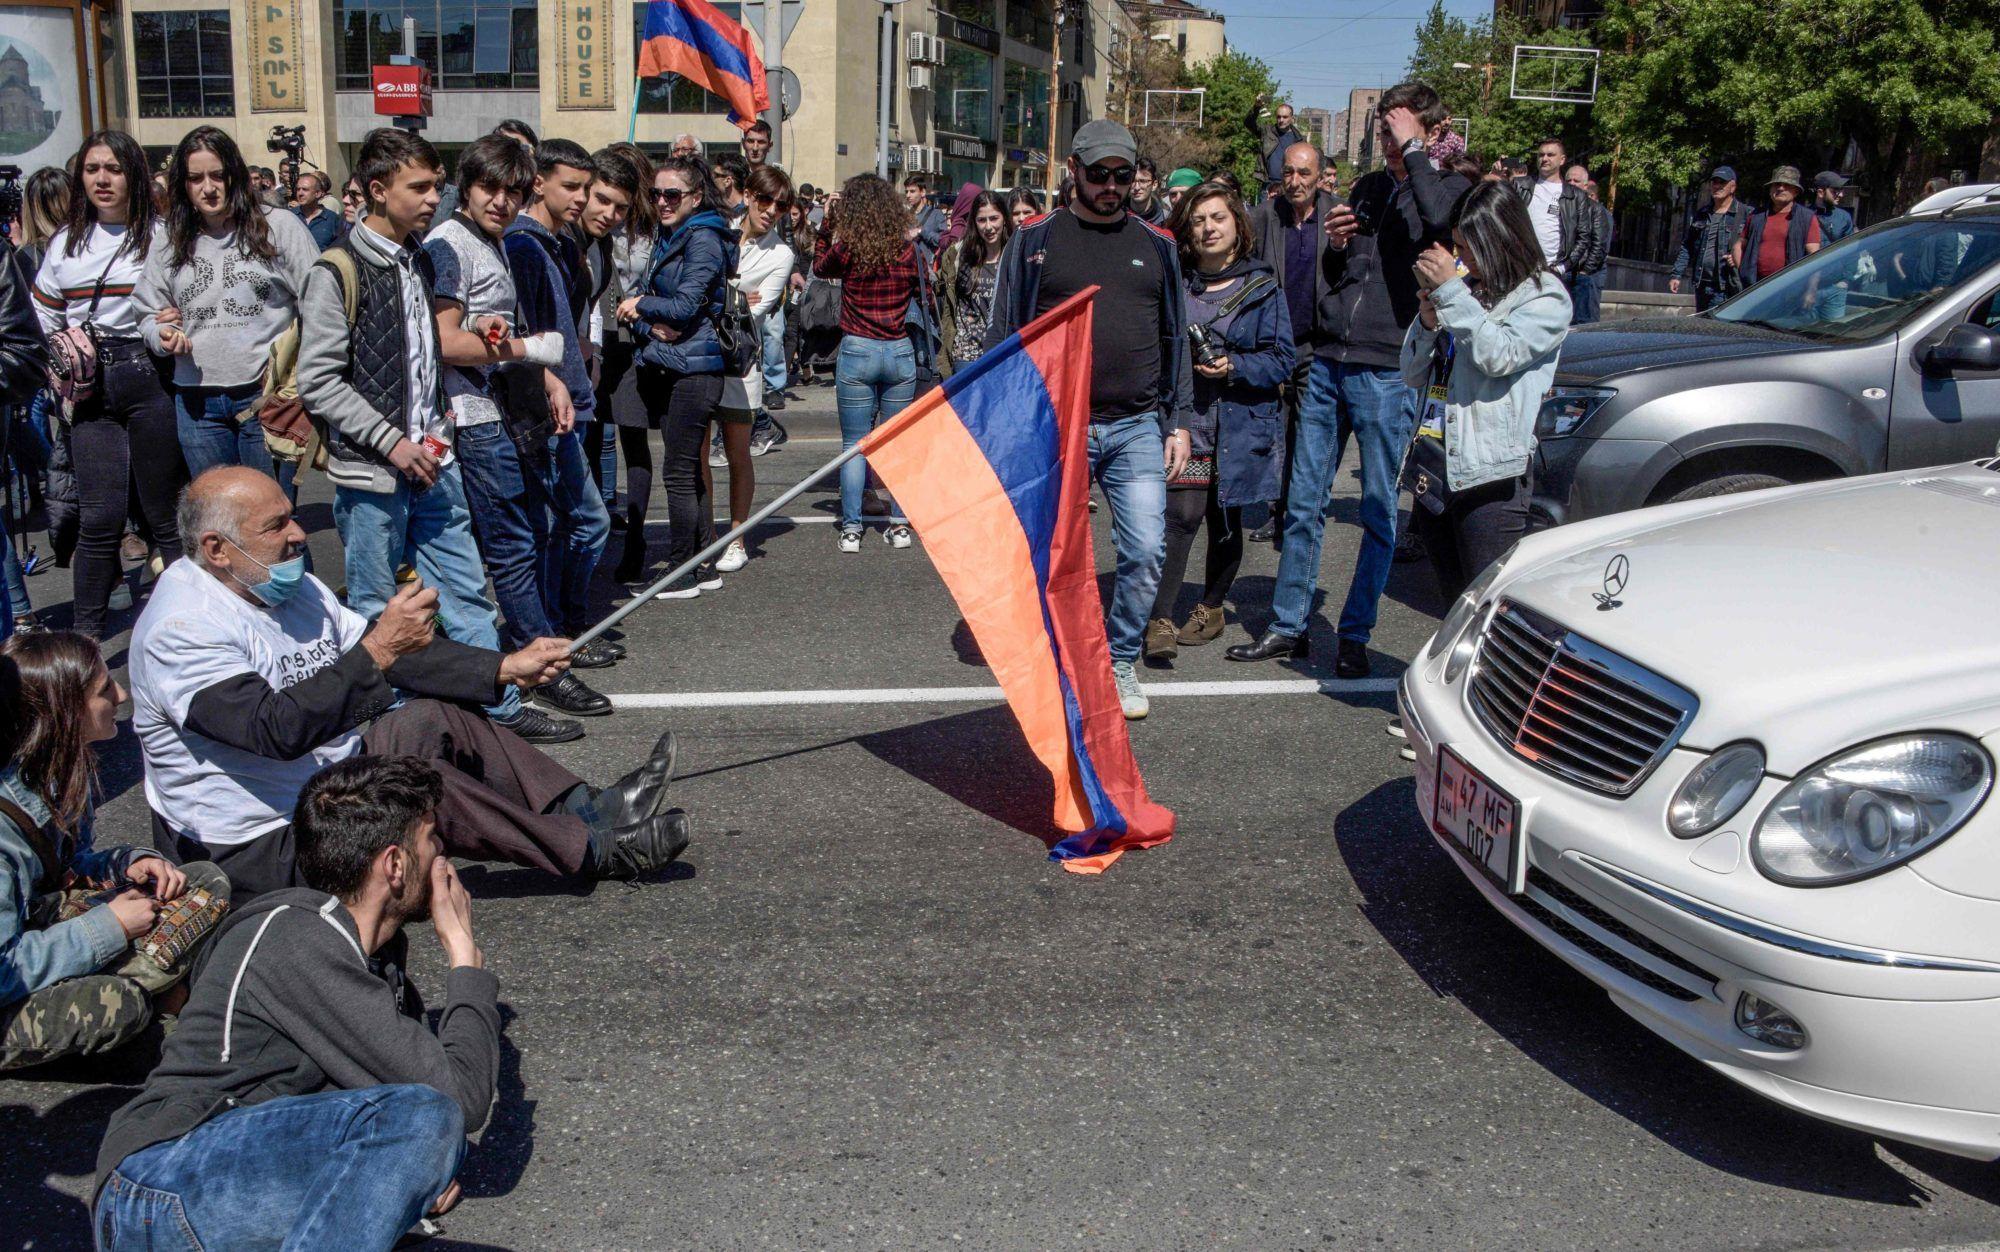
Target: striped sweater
x=64 y=284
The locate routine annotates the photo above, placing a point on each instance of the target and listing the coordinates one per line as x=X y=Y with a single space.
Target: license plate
x=1481 y=819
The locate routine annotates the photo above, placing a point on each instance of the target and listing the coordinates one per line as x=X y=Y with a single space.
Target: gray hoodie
x=285 y=1003
x=232 y=307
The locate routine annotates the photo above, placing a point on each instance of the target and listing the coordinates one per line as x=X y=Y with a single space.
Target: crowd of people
x=467 y=360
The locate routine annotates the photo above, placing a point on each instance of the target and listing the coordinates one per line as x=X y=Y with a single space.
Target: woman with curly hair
x=218 y=295
x=867 y=245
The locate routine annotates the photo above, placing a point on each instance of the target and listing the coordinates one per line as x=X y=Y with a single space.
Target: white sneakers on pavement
x=1131 y=697
x=733 y=558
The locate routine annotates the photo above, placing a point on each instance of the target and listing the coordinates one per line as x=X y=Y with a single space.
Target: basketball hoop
x=1554 y=75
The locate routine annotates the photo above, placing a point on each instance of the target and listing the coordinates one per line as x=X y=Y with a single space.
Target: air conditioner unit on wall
x=920 y=159
x=924 y=48
x=920 y=78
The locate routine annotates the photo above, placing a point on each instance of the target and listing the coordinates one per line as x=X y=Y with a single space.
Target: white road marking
x=988 y=695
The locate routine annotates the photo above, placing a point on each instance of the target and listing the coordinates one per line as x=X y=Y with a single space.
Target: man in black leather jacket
x=1581 y=246
x=23 y=359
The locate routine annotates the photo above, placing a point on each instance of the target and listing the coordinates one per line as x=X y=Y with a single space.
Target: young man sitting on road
x=302 y=1100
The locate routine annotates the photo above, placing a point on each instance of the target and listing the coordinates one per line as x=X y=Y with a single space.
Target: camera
x=290 y=140
x=10 y=194
x=1206 y=350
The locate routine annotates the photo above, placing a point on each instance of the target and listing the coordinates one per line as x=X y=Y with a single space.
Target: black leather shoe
x=657 y=841
x=536 y=726
x=612 y=648
x=1352 y=660
x=1267 y=533
x=638 y=795
x=1273 y=644
x=570 y=694
x=596 y=654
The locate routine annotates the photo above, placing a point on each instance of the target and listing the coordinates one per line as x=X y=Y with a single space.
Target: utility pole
x=1055 y=93
x=774 y=62
x=888 y=85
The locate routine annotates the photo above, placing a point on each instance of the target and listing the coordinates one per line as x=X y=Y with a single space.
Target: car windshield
x=1869 y=283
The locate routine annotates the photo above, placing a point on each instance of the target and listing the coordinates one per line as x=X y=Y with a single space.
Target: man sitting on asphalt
x=301 y=1099
x=248 y=677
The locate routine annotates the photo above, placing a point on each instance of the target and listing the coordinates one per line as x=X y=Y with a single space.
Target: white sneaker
x=1130 y=697
x=121 y=596
x=1395 y=727
x=706 y=579
x=850 y=541
x=897 y=536
x=733 y=558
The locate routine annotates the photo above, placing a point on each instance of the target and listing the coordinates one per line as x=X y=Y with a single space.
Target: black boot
x=657 y=841
x=1273 y=644
x=638 y=795
x=632 y=564
x=1352 y=660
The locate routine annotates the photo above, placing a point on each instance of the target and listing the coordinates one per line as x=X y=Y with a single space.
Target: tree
x=1765 y=82
x=1480 y=98
x=1233 y=81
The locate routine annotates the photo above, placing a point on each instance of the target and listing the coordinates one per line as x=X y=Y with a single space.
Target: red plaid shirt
x=873 y=302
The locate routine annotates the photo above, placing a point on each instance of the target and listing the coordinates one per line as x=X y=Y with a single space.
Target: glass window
x=964 y=93
x=469 y=45
x=1868 y=284
x=671 y=93
x=1024 y=114
x=183 y=64
x=1029 y=22
x=977 y=11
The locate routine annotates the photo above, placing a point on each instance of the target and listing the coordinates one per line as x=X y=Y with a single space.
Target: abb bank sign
x=402 y=90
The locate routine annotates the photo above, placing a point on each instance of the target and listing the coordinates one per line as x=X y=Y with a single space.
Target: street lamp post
x=882 y=96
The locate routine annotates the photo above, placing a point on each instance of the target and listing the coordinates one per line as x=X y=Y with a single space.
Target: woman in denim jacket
x=1490 y=324
x=86 y=955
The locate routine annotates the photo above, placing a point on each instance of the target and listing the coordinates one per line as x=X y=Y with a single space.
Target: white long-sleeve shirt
x=65 y=284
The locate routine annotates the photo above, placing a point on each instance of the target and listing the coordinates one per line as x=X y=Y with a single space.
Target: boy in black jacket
x=302 y=1100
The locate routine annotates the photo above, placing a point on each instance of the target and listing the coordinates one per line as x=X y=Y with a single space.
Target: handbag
x=73 y=353
x=735 y=333
x=1424 y=464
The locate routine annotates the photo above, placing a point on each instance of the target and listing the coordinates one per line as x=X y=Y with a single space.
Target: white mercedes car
x=1732 y=760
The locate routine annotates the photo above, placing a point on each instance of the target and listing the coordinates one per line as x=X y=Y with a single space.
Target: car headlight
x=1871 y=808
x=1715 y=790
x=1565 y=409
x=1463 y=610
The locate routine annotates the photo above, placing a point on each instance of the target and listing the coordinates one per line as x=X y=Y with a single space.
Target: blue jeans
x=1128 y=458
x=1375 y=407
x=219 y=426
x=511 y=518
x=432 y=530
x=578 y=527
x=873 y=380
x=1586 y=298
x=341 y=1169
x=774 y=349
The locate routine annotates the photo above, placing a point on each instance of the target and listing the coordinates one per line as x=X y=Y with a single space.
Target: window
x=964 y=104
x=1029 y=22
x=469 y=45
x=670 y=93
x=1024 y=115
x=182 y=61
x=977 y=11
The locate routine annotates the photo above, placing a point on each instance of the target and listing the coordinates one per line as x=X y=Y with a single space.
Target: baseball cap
x=1785 y=175
x=1724 y=173
x=1183 y=178
x=1829 y=180
x=1103 y=138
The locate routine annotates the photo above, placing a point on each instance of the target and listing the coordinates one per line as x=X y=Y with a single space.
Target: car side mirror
x=1966 y=346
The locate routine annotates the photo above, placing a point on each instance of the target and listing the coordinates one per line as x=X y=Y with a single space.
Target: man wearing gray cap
x=1835 y=223
x=1704 y=261
x=1141 y=379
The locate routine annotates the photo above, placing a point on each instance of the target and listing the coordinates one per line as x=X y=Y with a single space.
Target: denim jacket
x=32 y=959
x=1503 y=363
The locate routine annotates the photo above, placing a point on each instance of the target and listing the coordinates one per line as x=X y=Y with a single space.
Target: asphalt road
x=866 y=1012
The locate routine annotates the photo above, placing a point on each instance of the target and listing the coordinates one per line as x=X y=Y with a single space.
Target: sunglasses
x=1104 y=175
x=669 y=196
x=352 y=195
x=770 y=202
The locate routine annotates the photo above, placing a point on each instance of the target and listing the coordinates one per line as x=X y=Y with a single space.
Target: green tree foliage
x=1495 y=124
x=1764 y=82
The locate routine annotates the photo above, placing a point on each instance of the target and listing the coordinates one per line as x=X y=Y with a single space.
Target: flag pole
x=790 y=494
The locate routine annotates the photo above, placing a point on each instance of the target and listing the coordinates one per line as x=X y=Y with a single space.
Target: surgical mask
x=281 y=581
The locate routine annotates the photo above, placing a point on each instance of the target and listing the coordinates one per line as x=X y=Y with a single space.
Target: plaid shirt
x=873 y=302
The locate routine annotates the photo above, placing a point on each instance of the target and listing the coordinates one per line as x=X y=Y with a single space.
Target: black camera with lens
x=1207 y=350
x=290 y=140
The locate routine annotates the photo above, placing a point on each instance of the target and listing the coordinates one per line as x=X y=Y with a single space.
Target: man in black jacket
x=301 y=1099
x=1355 y=385
x=248 y=677
x=22 y=360
x=1564 y=218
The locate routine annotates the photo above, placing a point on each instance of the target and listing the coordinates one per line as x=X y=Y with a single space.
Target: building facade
x=975 y=85
x=1358 y=141
x=1317 y=125
x=1197 y=34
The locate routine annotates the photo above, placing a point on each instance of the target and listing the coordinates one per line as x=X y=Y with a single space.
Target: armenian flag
x=993 y=471
x=694 y=39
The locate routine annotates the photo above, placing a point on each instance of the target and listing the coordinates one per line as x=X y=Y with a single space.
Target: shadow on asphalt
x=1444 y=930
x=508 y=1142
x=62 y=1141
x=979 y=759
x=518 y=882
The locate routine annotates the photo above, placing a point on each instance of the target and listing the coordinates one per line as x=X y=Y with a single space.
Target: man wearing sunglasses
x=1141 y=380
x=1711 y=231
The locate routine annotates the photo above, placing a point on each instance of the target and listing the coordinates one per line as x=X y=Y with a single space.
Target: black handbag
x=1424 y=463
x=736 y=333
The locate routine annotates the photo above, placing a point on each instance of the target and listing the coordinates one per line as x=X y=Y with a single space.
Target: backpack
x=290 y=434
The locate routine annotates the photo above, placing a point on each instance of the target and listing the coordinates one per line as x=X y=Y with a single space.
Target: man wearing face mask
x=248 y=677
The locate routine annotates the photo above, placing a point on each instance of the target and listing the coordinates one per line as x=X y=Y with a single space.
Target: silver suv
x=1879 y=352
